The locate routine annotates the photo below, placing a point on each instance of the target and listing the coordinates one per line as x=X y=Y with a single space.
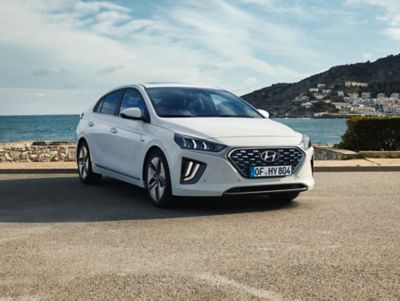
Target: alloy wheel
x=156 y=182
x=83 y=162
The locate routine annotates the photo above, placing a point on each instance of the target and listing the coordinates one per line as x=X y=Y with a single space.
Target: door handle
x=113 y=130
x=91 y=123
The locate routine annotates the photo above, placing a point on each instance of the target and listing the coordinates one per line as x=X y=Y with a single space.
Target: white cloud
x=182 y=41
x=391 y=15
x=298 y=9
x=110 y=69
x=49 y=71
x=367 y=56
x=249 y=85
x=250 y=81
x=207 y=42
x=235 y=44
x=393 y=32
x=96 y=6
x=46 y=101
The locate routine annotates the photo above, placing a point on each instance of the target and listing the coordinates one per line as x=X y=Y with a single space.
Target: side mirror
x=263 y=112
x=132 y=113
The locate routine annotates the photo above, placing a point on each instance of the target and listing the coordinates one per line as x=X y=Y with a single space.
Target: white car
x=187 y=140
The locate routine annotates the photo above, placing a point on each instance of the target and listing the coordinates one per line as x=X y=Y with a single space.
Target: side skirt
x=117 y=175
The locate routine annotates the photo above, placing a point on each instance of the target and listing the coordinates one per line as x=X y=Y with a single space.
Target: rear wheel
x=85 y=171
x=157 y=179
x=284 y=196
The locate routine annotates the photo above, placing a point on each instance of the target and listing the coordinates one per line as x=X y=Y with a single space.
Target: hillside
x=382 y=76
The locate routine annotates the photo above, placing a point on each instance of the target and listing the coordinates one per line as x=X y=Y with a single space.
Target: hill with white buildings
x=361 y=88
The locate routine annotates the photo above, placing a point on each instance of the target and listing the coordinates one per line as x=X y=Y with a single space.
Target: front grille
x=243 y=158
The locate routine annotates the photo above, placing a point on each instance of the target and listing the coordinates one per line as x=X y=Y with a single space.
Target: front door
x=126 y=139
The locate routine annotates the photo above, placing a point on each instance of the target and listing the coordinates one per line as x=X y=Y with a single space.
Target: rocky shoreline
x=38 y=151
x=65 y=151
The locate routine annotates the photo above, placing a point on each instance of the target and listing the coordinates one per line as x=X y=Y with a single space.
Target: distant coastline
x=62 y=128
x=30 y=115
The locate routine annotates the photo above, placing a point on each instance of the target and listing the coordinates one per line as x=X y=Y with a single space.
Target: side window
x=111 y=101
x=97 y=107
x=132 y=98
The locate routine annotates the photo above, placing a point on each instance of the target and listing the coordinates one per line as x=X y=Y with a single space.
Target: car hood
x=228 y=129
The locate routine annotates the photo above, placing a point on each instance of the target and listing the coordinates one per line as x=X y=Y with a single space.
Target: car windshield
x=198 y=102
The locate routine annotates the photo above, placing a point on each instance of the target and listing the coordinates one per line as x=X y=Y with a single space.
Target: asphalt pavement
x=62 y=240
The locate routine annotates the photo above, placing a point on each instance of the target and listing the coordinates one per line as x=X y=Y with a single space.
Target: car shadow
x=66 y=199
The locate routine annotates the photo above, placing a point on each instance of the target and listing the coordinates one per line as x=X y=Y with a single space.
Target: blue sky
x=59 y=56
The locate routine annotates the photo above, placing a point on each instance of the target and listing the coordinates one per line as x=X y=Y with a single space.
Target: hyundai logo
x=269 y=156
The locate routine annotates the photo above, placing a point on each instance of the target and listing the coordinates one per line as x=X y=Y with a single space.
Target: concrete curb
x=316 y=169
x=39 y=171
x=356 y=168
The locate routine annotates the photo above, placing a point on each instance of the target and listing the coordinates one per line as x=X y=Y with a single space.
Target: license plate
x=270 y=171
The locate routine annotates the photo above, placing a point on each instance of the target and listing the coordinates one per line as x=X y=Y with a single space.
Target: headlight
x=305 y=142
x=197 y=144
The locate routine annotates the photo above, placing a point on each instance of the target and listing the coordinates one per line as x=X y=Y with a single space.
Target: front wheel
x=284 y=196
x=157 y=179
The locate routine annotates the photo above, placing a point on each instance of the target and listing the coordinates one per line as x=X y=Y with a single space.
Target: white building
x=342 y=106
x=366 y=95
x=363 y=109
x=394 y=96
x=355 y=84
x=354 y=95
x=380 y=95
x=302 y=98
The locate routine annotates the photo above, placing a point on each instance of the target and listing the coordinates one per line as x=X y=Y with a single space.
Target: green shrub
x=372 y=133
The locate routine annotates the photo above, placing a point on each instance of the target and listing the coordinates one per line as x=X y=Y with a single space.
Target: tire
x=158 y=180
x=284 y=196
x=84 y=162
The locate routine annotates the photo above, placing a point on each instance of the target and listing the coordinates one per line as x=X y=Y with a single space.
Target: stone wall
x=39 y=151
x=331 y=153
x=65 y=151
x=322 y=152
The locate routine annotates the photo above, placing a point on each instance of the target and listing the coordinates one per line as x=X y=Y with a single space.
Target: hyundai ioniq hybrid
x=187 y=140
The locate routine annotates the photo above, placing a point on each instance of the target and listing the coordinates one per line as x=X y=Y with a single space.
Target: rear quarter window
x=97 y=107
x=110 y=102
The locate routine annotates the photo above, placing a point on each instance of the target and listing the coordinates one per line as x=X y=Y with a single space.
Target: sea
x=62 y=128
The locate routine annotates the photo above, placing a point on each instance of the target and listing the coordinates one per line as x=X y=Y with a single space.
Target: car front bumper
x=220 y=177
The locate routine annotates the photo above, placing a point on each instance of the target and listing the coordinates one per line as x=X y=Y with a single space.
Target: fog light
x=191 y=171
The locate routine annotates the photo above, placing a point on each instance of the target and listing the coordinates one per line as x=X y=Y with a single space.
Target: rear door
x=94 y=128
x=102 y=128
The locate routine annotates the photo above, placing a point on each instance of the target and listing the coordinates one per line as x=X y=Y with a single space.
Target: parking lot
x=62 y=240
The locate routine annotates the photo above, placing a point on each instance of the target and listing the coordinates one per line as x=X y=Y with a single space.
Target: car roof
x=163 y=85
x=171 y=84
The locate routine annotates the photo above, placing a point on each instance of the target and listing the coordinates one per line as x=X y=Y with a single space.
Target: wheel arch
x=149 y=151
x=80 y=141
x=165 y=199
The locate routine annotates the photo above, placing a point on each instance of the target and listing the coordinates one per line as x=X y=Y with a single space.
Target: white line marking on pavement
x=218 y=280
